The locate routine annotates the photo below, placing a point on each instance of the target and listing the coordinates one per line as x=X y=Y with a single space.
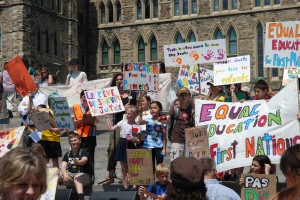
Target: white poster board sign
x=104 y=101
x=234 y=70
x=282 y=44
x=239 y=131
x=10 y=139
x=201 y=52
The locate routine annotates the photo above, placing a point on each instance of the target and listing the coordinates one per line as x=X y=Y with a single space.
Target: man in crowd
x=75 y=76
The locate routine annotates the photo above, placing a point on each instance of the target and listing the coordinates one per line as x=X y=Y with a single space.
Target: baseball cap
x=73 y=62
x=183 y=90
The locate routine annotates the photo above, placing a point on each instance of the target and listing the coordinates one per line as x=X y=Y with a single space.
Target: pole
x=198 y=65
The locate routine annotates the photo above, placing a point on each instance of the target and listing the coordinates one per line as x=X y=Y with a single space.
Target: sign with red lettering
x=140 y=168
x=20 y=76
x=196 y=142
x=104 y=101
x=10 y=139
x=282 y=44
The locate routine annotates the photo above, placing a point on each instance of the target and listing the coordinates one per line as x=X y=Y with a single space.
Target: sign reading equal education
x=20 y=76
x=61 y=111
x=282 y=44
x=234 y=70
x=140 y=166
x=105 y=101
x=209 y=51
x=140 y=77
x=196 y=142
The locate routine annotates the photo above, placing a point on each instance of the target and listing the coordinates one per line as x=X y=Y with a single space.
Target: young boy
x=159 y=189
x=75 y=168
x=261 y=89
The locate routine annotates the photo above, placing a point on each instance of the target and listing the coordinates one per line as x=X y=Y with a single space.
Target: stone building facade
x=136 y=30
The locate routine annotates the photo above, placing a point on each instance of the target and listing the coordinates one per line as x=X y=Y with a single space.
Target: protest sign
x=289 y=74
x=42 y=120
x=140 y=77
x=105 y=101
x=188 y=77
x=51 y=184
x=20 y=76
x=196 y=142
x=239 y=131
x=234 y=70
x=10 y=139
x=282 y=44
x=192 y=53
x=61 y=111
x=140 y=169
x=258 y=186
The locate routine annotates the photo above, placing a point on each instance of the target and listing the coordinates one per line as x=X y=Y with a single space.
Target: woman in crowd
x=46 y=77
x=23 y=175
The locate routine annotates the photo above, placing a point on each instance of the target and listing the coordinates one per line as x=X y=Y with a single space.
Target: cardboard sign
x=234 y=70
x=140 y=77
x=196 y=142
x=10 y=139
x=140 y=169
x=41 y=120
x=61 y=111
x=51 y=184
x=105 y=101
x=239 y=131
x=20 y=76
x=188 y=77
x=258 y=186
x=289 y=74
x=282 y=44
x=192 y=53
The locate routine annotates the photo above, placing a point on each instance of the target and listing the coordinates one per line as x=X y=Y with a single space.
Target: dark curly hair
x=175 y=193
x=114 y=79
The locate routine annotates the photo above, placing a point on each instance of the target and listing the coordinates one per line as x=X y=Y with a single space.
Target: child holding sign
x=128 y=136
x=156 y=133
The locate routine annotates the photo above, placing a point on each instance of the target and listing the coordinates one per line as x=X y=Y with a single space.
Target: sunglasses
x=183 y=94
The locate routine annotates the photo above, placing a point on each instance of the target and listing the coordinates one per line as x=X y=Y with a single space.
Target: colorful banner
x=10 y=139
x=196 y=142
x=140 y=77
x=258 y=186
x=282 y=44
x=192 y=53
x=61 y=111
x=140 y=168
x=51 y=184
x=239 y=131
x=289 y=74
x=20 y=76
x=234 y=70
x=188 y=77
x=105 y=101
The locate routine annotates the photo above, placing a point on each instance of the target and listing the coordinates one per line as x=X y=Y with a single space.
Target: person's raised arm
x=109 y=126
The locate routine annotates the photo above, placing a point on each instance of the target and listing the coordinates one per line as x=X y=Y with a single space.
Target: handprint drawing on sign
x=209 y=54
x=195 y=55
x=221 y=53
x=177 y=59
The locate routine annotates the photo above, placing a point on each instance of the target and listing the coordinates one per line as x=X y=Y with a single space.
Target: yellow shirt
x=219 y=98
x=50 y=136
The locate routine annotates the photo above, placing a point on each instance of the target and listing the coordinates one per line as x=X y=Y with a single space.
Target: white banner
x=239 y=131
x=201 y=52
x=10 y=139
x=282 y=44
x=234 y=70
x=51 y=184
x=188 y=77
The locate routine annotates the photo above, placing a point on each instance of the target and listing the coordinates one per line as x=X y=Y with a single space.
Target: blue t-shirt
x=160 y=189
x=154 y=136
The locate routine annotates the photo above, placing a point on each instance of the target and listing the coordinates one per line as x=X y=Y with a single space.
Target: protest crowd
x=215 y=130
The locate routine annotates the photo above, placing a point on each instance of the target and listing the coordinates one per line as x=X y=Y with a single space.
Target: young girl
x=127 y=139
x=145 y=107
x=155 y=138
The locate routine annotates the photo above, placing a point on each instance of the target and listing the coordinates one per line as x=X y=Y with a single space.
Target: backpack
x=90 y=166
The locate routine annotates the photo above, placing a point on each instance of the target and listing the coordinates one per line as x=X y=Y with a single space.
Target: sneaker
x=10 y=115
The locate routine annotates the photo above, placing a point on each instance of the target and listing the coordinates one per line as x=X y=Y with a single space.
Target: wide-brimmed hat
x=183 y=90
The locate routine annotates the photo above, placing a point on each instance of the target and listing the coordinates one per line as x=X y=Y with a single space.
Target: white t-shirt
x=76 y=78
x=126 y=129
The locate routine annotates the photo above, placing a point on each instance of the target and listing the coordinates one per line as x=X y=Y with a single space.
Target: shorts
x=83 y=178
x=52 y=149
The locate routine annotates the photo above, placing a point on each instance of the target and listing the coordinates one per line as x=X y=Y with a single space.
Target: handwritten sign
x=239 y=131
x=10 y=139
x=289 y=74
x=140 y=77
x=209 y=51
x=234 y=70
x=282 y=44
x=140 y=169
x=196 y=142
x=20 y=76
x=42 y=120
x=61 y=111
x=188 y=77
x=258 y=186
x=105 y=101
x=51 y=184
